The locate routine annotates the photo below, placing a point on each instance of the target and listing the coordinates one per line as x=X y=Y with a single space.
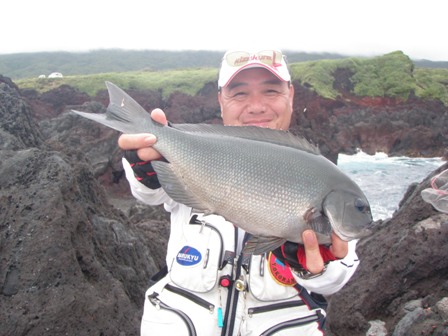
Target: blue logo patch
x=188 y=256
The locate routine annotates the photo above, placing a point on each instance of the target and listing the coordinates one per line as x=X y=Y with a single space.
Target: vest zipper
x=153 y=298
x=275 y=306
x=292 y=323
x=190 y=296
x=195 y=221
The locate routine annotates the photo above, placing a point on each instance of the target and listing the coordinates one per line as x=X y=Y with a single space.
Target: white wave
x=361 y=156
x=385 y=179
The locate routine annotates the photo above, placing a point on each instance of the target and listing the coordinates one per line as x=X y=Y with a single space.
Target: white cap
x=235 y=61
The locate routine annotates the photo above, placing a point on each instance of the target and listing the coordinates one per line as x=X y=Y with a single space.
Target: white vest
x=209 y=289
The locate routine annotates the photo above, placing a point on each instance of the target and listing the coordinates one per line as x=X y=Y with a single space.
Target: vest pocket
x=173 y=311
x=196 y=264
x=286 y=318
x=275 y=306
x=270 y=281
x=293 y=325
x=160 y=305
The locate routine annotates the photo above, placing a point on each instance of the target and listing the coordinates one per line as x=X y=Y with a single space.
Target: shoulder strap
x=313 y=300
x=158 y=276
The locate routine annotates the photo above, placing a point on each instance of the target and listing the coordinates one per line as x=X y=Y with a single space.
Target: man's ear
x=219 y=101
x=291 y=95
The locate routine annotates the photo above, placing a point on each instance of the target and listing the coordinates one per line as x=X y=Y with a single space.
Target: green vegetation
x=386 y=76
x=319 y=75
x=432 y=84
x=189 y=81
x=27 y=65
x=390 y=75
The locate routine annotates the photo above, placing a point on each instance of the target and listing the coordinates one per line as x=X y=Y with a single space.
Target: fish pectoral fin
x=317 y=221
x=259 y=245
x=175 y=188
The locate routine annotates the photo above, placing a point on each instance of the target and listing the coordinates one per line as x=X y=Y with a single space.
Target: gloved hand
x=294 y=255
x=143 y=170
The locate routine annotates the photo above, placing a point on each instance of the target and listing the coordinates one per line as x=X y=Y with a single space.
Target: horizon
x=286 y=51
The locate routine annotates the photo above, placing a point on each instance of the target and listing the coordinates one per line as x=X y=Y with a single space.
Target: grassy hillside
x=388 y=75
x=391 y=75
x=189 y=81
x=29 y=65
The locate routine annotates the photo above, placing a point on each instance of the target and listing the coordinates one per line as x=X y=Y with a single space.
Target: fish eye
x=361 y=205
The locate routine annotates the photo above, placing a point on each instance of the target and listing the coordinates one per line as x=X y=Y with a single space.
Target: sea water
x=383 y=179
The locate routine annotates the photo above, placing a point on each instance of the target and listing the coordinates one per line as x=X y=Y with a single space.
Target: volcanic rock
x=402 y=279
x=77 y=251
x=70 y=262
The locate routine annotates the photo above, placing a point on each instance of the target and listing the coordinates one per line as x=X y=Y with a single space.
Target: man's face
x=256 y=97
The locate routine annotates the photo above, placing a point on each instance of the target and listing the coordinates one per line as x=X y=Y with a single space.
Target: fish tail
x=123 y=114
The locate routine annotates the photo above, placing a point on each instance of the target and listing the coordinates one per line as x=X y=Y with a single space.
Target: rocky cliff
x=77 y=251
x=402 y=281
x=70 y=261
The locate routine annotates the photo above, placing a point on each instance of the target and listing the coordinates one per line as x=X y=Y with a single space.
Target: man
x=278 y=292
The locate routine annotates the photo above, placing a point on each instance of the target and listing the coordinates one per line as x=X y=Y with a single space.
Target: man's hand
x=143 y=142
x=314 y=259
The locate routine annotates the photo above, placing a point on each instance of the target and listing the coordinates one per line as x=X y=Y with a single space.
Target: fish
x=270 y=183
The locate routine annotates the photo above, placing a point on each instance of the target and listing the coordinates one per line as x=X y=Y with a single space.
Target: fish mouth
x=365 y=232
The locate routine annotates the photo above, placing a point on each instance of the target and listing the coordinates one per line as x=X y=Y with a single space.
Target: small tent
x=55 y=75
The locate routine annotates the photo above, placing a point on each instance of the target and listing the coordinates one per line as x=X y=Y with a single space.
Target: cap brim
x=227 y=73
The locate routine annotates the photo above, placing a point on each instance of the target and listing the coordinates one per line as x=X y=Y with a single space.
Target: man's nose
x=256 y=104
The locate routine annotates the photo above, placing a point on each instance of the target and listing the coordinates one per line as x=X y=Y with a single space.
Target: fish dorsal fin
x=278 y=137
x=122 y=106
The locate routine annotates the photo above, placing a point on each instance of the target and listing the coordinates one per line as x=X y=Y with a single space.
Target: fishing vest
x=208 y=288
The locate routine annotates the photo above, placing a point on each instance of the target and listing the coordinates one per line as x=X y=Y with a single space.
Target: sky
x=348 y=27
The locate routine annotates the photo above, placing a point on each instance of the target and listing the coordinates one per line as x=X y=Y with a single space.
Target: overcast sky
x=350 y=27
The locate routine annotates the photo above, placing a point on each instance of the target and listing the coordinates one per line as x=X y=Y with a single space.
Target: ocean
x=383 y=179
